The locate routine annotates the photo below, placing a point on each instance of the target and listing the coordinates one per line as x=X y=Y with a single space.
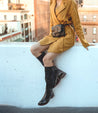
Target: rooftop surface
x=11 y=109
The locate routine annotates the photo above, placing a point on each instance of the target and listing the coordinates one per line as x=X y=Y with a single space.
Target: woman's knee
x=47 y=58
x=32 y=49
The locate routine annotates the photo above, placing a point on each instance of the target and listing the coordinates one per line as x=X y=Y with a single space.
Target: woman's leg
x=37 y=49
x=51 y=72
x=48 y=59
x=48 y=62
x=50 y=77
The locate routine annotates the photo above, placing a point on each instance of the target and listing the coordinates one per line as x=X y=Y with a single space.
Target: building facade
x=89 y=21
x=15 y=11
x=34 y=28
x=10 y=31
x=90 y=3
x=42 y=18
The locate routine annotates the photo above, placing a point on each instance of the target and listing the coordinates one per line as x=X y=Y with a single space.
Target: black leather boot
x=60 y=74
x=47 y=96
x=50 y=82
x=40 y=58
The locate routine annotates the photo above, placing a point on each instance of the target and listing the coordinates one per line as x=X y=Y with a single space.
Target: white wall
x=10 y=15
x=29 y=5
x=22 y=77
x=91 y=3
x=4 y=5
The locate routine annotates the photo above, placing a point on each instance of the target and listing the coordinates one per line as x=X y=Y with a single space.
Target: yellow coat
x=65 y=13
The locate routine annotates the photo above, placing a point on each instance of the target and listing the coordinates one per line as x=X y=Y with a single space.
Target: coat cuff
x=86 y=45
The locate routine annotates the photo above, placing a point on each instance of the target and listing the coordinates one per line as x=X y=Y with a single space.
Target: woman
x=61 y=12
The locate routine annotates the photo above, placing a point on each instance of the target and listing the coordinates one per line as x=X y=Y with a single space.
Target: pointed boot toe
x=46 y=98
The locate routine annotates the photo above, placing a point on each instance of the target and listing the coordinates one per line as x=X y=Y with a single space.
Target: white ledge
x=22 y=81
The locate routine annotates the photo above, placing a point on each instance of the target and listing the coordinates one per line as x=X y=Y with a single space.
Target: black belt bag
x=59 y=30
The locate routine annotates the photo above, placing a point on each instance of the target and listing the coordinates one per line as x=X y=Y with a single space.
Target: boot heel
x=62 y=75
x=52 y=95
x=58 y=79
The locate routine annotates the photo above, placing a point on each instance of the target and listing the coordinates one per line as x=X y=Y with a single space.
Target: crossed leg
x=52 y=74
x=37 y=50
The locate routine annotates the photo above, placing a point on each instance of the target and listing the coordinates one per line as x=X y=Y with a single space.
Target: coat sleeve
x=50 y=2
x=51 y=23
x=77 y=24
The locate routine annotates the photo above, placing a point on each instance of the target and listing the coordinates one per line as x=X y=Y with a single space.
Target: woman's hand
x=90 y=45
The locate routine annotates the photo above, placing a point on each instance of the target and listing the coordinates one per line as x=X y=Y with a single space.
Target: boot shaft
x=50 y=76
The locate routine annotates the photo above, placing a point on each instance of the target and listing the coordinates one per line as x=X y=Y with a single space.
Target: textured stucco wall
x=22 y=77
